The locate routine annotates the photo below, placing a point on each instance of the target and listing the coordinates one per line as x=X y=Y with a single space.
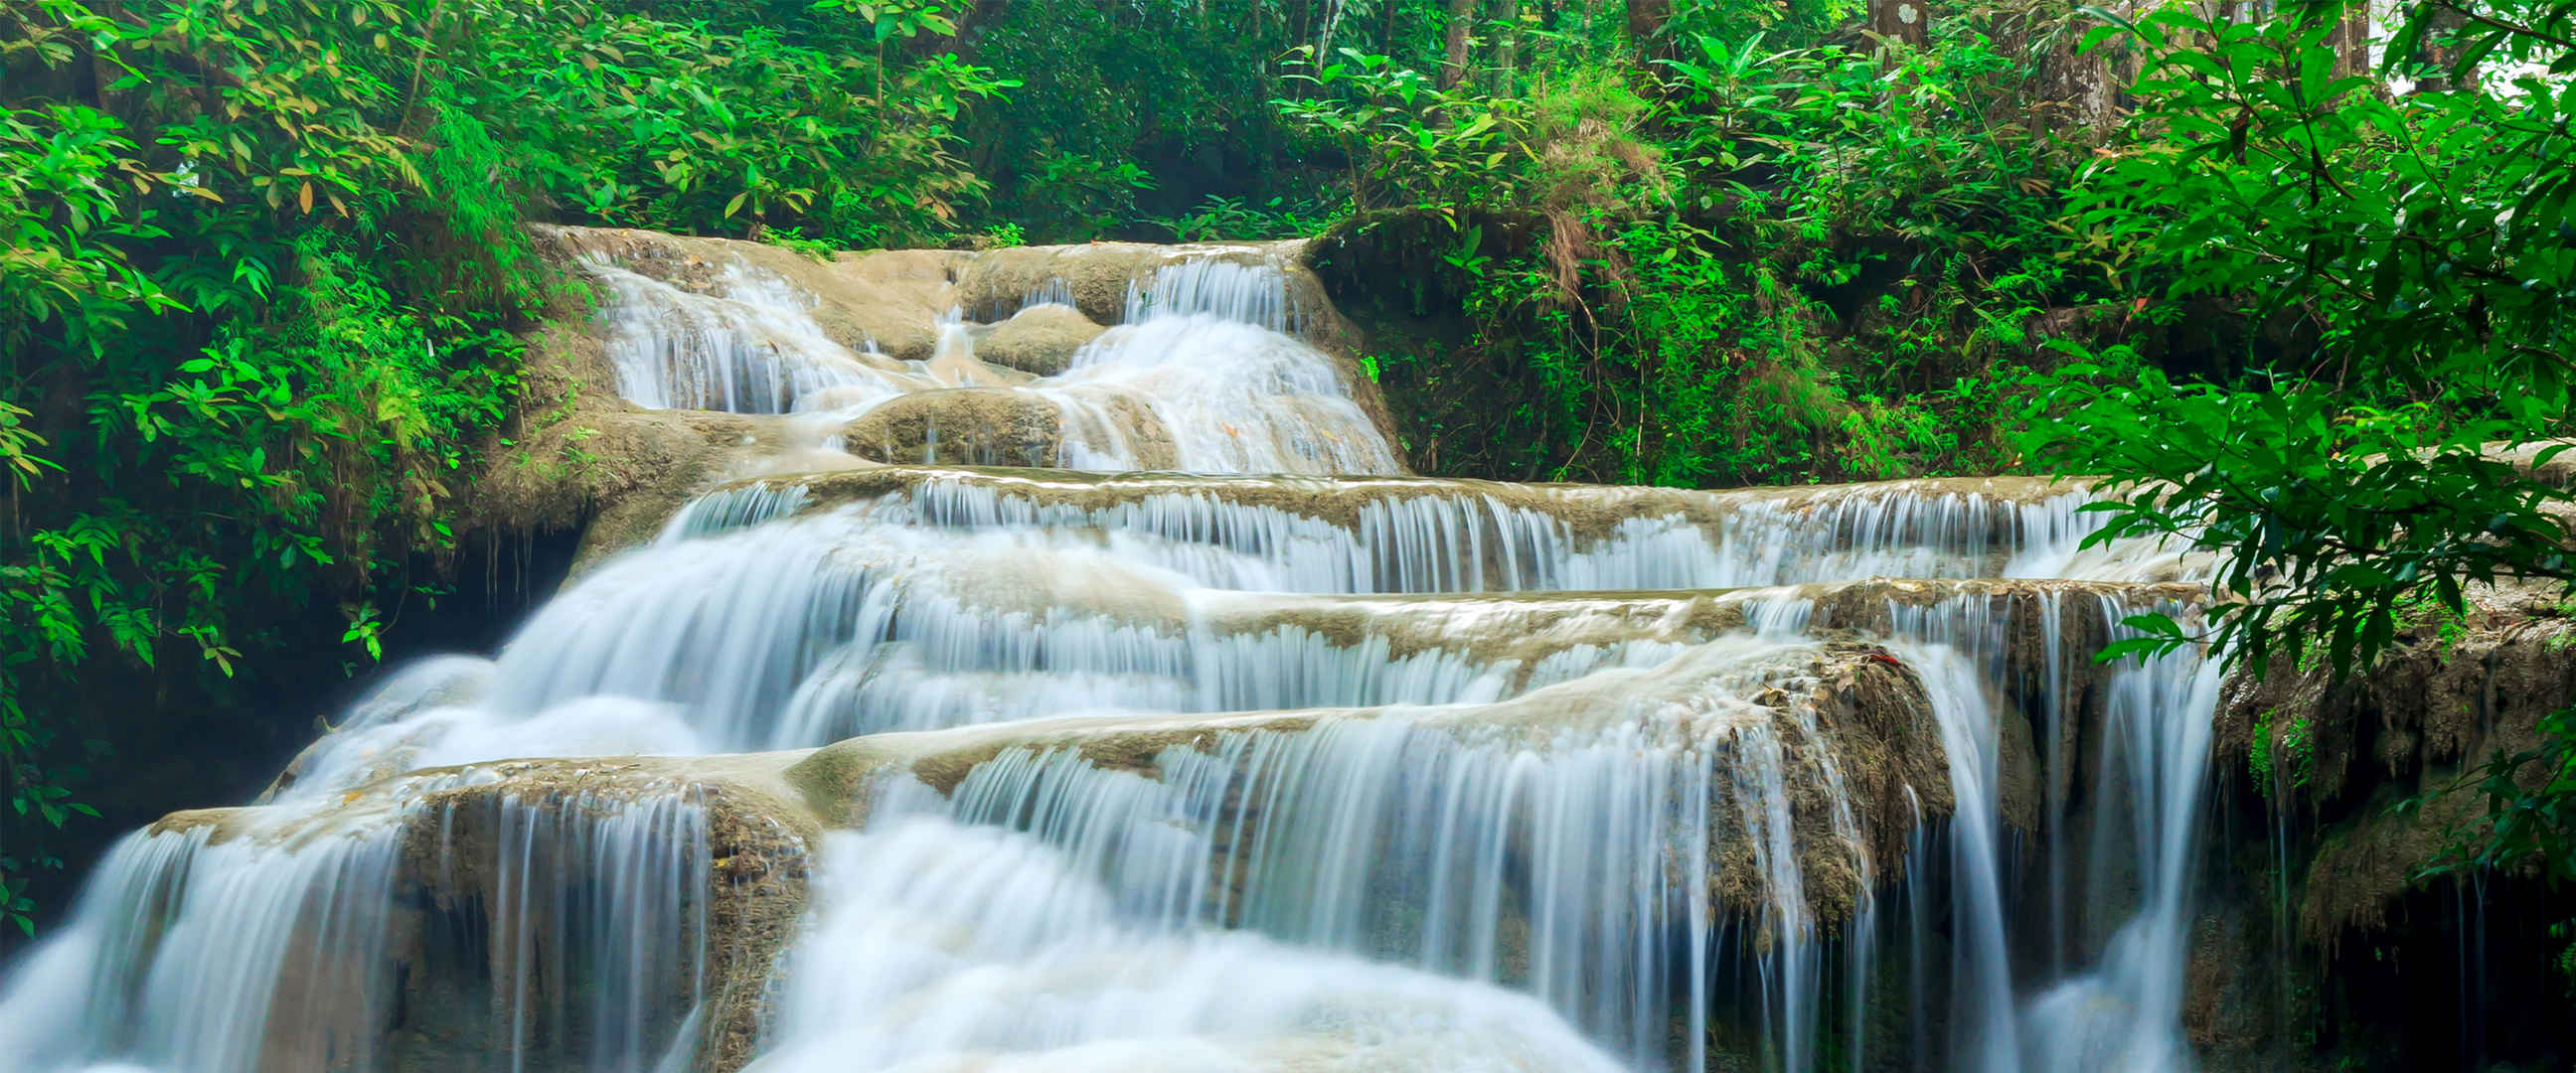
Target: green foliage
x=2327 y=514
x=1006 y=234
x=2357 y=467
x=2363 y=466
x=1723 y=362
x=2283 y=757
x=1404 y=140
x=1135 y=111
x=1078 y=195
x=633 y=121
x=790 y=238
x=1221 y=218
x=261 y=265
x=1739 y=264
x=2530 y=808
x=2529 y=822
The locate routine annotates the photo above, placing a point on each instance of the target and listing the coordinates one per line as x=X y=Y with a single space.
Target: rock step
x=1412 y=534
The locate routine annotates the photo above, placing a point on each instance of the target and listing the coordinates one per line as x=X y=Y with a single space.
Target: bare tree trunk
x=2351 y=42
x=1900 y=20
x=1453 y=62
x=1507 y=49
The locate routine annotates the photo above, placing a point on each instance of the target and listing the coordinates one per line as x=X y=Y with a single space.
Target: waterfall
x=754 y=350
x=2121 y=1014
x=1208 y=373
x=288 y=937
x=1273 y=758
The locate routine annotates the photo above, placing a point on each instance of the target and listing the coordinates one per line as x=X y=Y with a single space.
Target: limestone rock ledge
x=1988 y=506
x=502 y=880
x=1863 y=767
x=575 y=451
x=2320 y=924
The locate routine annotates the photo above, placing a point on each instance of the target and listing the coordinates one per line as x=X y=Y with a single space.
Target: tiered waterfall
x=1204 y=739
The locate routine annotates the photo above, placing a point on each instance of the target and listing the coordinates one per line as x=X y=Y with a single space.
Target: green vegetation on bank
x=264 y=264
x=2405 y=232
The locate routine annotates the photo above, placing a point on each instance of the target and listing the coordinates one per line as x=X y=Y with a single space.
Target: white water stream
x=1391 y=827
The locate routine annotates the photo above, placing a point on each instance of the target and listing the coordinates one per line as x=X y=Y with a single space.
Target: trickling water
x=1191 y=772
x=1412 y=535
x=1217 y=287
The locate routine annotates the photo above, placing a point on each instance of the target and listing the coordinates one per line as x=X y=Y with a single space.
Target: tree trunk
x=1507 y=47
x=2351 y=42
x=1453 y=62
x=1646 y=19
x=1900 y=20
x=2441 y=49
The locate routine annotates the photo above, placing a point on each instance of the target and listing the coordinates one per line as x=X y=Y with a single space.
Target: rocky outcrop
x=1040 y=339
x=974 y=426
x=1003 y=427
x=576 y=454
x=2325 y=935
x=577 y=458
x=2455 y=691
x=532 y=907
x=1880 y=756
x=893 y=299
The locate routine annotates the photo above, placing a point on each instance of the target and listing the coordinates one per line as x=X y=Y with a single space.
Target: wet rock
x=1003 y=427
x=1040 y=339
x=576 y=452
x=979 y=425
x=2322 y=940
x=534 y=905
x=577 y=457
x=2455 y=690
x=1092 y=277
x=893 y=298
x=1880 y=751
x=1096 y=278
x=1953 y=514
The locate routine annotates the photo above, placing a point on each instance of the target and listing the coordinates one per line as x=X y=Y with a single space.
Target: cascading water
x=292 y=936
x=1479 y=852
x=1209 y=372
x=1195 y=771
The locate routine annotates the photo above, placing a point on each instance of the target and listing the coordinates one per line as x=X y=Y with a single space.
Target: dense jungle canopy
x=2300 y=277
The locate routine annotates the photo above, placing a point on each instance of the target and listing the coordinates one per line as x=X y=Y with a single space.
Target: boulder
x=1006 y=427
x=1040 y=339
